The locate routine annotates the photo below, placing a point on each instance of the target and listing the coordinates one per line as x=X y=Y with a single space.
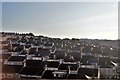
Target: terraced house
x=26 y=56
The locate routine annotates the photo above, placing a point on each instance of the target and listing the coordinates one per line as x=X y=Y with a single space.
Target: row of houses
x=37 y=57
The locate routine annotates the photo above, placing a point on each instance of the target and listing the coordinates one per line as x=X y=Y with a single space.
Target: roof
x=76 y=48
x=87 y=71
x=104 y=62
x=19 y=48
x=54 y=64
x=96 y=50
x=73 y=76
x=48 y=75
x=15 y=45
x=59 y=54
x=87 y=49
x=24 y=52
x=88 y=59
x=76 y=55
x=48 y=44
x=29 y=70
x=65 y=66
x=37 y=63
x=44 y=52
x=32 y=51
x=17 y=58
x=69 y=58
x=27 y=45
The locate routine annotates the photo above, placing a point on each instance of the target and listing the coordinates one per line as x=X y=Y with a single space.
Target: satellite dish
x=115 y=64
x=88 y=77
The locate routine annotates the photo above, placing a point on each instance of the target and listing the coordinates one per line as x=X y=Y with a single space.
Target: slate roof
x=104 y=62
x=88 y=59
x=32 y=51
x=59 y=54
x=44 y=52
x=19 y=48
x=37 y=63
x=48 y=75
x=87 y=71
x=87 y=49
x=53 y=64
x=73 y=76
x=17 y=58
x=29 y=70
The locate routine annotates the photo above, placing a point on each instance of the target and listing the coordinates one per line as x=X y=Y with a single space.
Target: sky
x=93 y=20
x=0 y=16
x=60 y=0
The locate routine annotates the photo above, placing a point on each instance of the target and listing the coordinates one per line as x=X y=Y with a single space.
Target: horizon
x=56 y=37
x=92 y=20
